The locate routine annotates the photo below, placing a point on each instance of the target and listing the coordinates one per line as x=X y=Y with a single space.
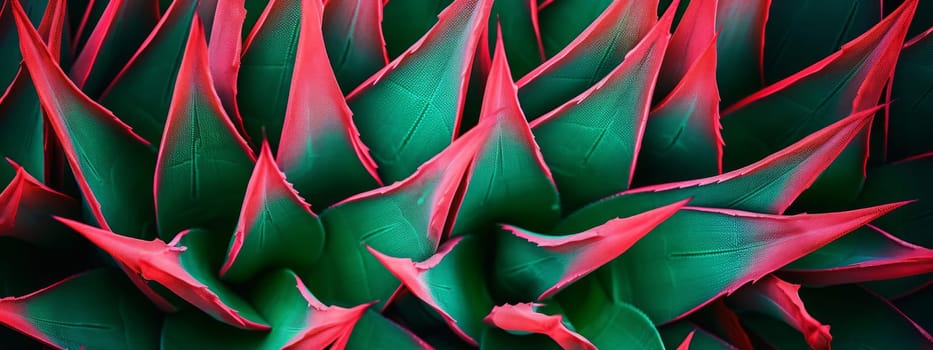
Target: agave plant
x=410 y=174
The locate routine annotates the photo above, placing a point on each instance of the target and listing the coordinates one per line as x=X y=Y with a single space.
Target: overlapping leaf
x=912 y=101
x=740 y=47
x=779 y=299
x=353 y=34
x=26 y=209
x=525 y=318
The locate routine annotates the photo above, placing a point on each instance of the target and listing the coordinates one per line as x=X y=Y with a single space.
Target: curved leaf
x=26 y=209
x=867 y=254
x=224 y=50
x=529 y=265
x=525 y=318
x=276 y=227
x=676 y=334
x=848 y=81
x=92 y=137
x=353 y=34
x=687 y=47
x=406 y=220
x=904 y=180
x=96 y=309
x=609 y=324
x=410 y=110
x=564 y=20
x=320 y=149
x=508 y=181
x=682 y=139
x=911 y=100
x=141 y=93
x=451 y=282
x=10 y=56
x=373 y=328
x=768 y=186
x=700 y=253
x=409 y=21
x=606 y=122
x=203 y=164
x=591 y=57
x=183 y=266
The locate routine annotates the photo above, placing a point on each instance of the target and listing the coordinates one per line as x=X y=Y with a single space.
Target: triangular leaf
x=410 y=110
x=606 y=123
x=529 y=265
x=406 y=220
x=224 y=50
x=591 y=57
x=320 y=149
x=779 y=299
x=10 y=56
x=122 y=27
x=373 y=328
x=183 y=266
x=867 y=254
x=700 y=253
x=848 y=81
x=203 y=164
x=525 y=318
x=276 y=227
x=689 y=46
x=26 y=209
x=96 y=309
x=141 y=93
x=451 y=282
x=520 y=33
x=509 y=181
x=682 y=139
x=92 y=137
x=768 y=186
x=908 y=179
x=266 y=68
x=353 y=34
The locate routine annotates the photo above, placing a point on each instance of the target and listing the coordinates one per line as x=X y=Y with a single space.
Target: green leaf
x=204 y=165
x=768 y=186
x=848 y=81
x=97 y=309
x=373 y=329
x=451 y=282
x=141 y=93
x=918 y=306
x=267 y=67
x=607 y=323
x=866 y=254
x=410 y=110
x=911 y=100
x=688 y=47
x=564 y=20
x=10 y=57
x=496 y=339
x=276 y=227
x=779 y=299
x=532 y=266
x=353 y=34
x=860 y=319
x=700 y=254
x=406 y=220
x=509 y=181
x=682 y=139
x=26 y=210
x=121 y=29
x=801 y=32
x=186 y=266
x=606 y=123
x=320 y=148
x=92 y=139
x=741 y=27
x=591 y=57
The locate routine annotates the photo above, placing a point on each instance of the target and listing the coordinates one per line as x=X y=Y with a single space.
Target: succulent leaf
x=521 y=34
x=905 y=135
x=96 y=309
x=224 y=50
x=904 y=180
x=675 y=335
x=688 y=46
x=183 y=266
x=740 y=47
x=591 y=57
x=779 y=299
x=409 y=21
x=276 y=227
x=508 y=180
x=411 y=109
x=25 y=208
x=607 y=323
x=562 y=21
x=535 y=266
x=524 y=317
x=607 y=122
x=141 y=93
x=204 y=164
x=320 y=149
